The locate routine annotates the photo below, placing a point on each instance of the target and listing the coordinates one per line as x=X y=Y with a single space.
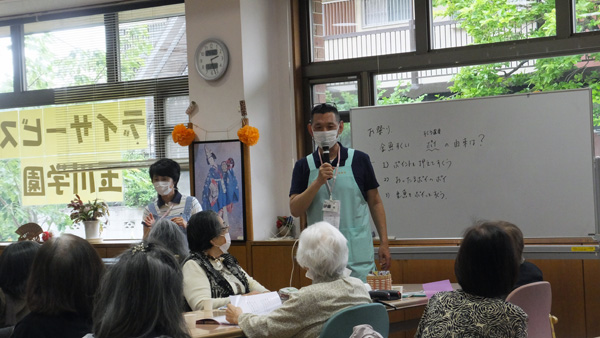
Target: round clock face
x=212 y=59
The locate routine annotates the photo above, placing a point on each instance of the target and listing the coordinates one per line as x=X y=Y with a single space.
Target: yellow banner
x=45 y=181
x=74 y=129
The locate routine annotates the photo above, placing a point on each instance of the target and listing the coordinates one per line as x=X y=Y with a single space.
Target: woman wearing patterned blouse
x=486 y=268
x=209 y=272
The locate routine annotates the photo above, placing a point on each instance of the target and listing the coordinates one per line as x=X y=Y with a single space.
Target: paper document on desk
x=259 y=304
x=435 y=287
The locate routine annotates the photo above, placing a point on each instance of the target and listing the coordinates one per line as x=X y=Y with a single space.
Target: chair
x=536 y=300
x=341 y=324
x=6 y=332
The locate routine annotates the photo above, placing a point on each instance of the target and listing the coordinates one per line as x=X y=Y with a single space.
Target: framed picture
x=217 y=172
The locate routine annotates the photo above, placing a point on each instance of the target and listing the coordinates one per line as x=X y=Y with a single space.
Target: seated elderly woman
x=168 y=234
x=486 y=268
x=64 y=277
x=210 y=274
x=15 y=265
x=323 y=252
x=149 y=278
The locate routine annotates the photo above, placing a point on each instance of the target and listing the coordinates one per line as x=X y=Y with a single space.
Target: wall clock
x=212 y=59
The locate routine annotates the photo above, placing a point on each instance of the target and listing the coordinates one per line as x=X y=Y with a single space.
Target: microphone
x=325 y=155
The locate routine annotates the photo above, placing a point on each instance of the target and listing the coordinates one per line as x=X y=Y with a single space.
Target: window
x=348 y=29
x=343 y=95
x=63 y=53
x=385 y=12
x=471 y=22
x=118 y=84
x=445 y=64
x=6 y=75
x=587 y=16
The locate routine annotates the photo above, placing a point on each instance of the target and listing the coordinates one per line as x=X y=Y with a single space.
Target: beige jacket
x=304 y=314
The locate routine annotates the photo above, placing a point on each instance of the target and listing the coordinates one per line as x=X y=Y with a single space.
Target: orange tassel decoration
x=248 y=135
x=182 y=135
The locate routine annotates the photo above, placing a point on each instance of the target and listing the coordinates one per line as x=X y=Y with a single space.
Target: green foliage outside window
x=498 y=21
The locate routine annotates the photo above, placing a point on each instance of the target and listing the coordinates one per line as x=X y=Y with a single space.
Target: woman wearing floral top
x=486 y=268
x=209 y=272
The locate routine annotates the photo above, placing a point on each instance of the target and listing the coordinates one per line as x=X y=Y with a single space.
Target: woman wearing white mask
x=210 y=274
x=170 y=203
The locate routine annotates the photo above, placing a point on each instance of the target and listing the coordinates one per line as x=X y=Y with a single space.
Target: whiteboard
x=526 y=159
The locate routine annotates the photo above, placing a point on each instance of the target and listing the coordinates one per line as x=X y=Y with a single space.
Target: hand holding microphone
x=325 y=155
x=326 y=169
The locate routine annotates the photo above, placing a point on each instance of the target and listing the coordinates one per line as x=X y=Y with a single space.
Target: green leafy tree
x=398 y=96
x=492 y=21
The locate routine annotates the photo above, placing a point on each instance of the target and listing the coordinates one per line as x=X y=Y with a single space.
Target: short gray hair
x=323 y=250
x=168 y=234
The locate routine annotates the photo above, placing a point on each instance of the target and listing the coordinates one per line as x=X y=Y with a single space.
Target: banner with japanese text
x=57 y=145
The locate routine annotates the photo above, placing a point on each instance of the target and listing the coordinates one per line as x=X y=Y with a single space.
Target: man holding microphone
x=338 y=185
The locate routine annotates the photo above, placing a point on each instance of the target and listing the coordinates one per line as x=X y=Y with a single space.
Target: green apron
x=355 y=222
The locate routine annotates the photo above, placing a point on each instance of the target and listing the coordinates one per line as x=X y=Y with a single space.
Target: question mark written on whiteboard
x=482 y=137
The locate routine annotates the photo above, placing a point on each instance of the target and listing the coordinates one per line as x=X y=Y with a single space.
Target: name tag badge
x=331 y=212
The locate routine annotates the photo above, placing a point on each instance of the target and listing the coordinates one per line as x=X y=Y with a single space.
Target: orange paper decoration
x=182 y=135
x=248 y=135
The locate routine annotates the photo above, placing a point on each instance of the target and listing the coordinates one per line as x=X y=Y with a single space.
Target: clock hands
x=211 y=61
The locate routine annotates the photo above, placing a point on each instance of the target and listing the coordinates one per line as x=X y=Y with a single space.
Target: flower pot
x=92 y=229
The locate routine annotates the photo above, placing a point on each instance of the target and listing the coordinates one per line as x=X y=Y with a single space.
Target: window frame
x=161 y=89
x=566 y=42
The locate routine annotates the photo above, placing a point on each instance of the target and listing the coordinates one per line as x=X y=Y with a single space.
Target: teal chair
x=340 y=325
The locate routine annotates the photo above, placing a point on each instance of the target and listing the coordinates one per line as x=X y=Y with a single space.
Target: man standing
x=341 y=191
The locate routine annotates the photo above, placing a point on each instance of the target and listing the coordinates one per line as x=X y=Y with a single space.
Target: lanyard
x=330 y=188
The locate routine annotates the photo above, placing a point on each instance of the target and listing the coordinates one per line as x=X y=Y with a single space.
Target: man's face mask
x=326 y=138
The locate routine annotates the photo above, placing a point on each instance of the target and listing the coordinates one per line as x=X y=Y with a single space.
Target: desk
x=404 y=317
x=408 y=311
x=215 y=330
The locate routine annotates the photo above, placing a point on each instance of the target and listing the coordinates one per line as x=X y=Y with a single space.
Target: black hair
x=64 y=277
x=211 y=155
x=15 y=266
x=168 y=234
x=166 y=167
x=325 y=108
x=202 y=228
x=141 y=294
x=517 y=236
x=486 y=264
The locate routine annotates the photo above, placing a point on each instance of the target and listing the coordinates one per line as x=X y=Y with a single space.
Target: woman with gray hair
x=168 y=234
x=323 y=252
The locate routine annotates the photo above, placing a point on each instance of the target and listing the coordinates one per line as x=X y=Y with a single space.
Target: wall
x=259 y=43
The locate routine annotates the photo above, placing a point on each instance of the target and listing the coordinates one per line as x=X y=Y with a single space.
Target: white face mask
x=325 y=138
x=224 y=247
x=163 y=188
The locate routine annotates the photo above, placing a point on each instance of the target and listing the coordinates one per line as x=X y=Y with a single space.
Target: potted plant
x=89 y=214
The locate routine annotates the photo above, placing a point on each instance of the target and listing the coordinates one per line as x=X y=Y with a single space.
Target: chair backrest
x=536 y=300
x=6 y=332
x=341 y=324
